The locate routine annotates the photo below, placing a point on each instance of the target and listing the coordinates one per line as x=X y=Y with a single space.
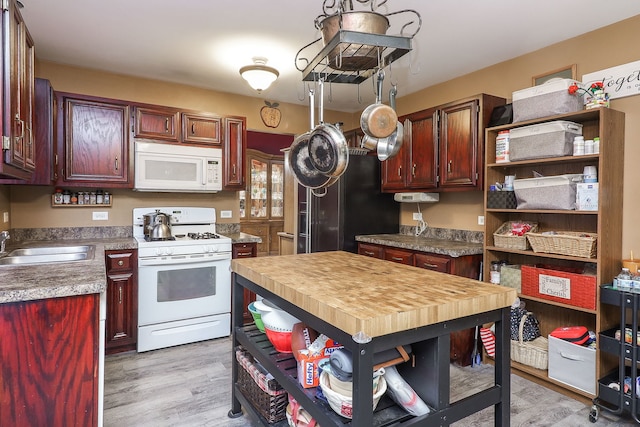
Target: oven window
x=184 y=284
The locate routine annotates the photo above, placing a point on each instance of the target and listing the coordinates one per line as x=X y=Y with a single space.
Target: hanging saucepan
x=328 y=150
x=393 y=142
x=378 y=120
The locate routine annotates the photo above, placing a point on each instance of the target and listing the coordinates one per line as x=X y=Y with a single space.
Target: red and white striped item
x=489 y=341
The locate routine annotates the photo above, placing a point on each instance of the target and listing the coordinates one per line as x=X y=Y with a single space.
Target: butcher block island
x=370 y=306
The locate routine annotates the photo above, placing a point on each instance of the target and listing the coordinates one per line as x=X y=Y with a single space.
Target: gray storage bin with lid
x=548 y=192
x=550 y=139
x=547 y=99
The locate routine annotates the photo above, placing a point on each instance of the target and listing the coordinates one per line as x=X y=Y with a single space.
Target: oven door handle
x=182 y=259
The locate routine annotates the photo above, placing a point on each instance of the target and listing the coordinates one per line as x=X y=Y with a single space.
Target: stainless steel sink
x=49 y=250
x=49 y=255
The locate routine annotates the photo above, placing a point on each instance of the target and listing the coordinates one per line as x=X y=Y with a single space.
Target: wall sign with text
x=620 y=81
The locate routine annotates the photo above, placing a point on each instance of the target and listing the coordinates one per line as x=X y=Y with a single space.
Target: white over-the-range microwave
x=177 y=168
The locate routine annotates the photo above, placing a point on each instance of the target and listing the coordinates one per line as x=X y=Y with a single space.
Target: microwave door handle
x=204 y=172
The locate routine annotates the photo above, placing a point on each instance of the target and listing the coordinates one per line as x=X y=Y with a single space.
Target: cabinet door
x=201 y=129
x=157 y=123
x=122 y=301
x=374 y=251
x=433 y=262
x=459 y=145
x=421 y=162
x=96 y=143
x=17 y=122
x=399 y=255
x=274 y=239
x=245 y=250
x=277 y=190
x=49 y=367
x=261 y=230
x=394 y=169
x=235 y=144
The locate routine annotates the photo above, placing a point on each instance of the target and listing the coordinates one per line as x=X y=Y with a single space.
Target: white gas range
x=184 y=282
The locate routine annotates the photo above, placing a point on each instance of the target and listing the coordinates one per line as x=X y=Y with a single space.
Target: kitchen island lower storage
x=369 y=306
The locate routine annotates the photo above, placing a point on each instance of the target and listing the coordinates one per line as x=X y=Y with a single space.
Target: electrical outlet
x=100 y=216
x=417 y=216
x=226 y=214
x=480 y=219
x=5 y=216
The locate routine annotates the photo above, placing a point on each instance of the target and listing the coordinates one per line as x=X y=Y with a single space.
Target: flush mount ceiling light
x=259 y=75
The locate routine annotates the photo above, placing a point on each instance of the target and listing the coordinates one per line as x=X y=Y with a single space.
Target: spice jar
x=66 y=197
x=74 y=198
x=99 y=197
x=57 y=197
x=81 y=197
x=92 y=198
x=107 y=198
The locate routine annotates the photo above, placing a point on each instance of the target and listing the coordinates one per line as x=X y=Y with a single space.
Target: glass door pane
x=277 y=190
x=258 y=189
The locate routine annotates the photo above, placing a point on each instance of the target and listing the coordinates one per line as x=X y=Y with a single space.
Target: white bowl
x=274 y=317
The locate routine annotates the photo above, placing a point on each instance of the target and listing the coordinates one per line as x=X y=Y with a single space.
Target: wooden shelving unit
x=606 y=222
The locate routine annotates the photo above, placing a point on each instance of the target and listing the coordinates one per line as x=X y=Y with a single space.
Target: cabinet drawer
x=244 y=250
x=201 y=129
x=371 y=250
x=120 y=261
x=431 y=262
x=399 y=256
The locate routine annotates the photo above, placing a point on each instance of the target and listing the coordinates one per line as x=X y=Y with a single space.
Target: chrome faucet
x=4 y=236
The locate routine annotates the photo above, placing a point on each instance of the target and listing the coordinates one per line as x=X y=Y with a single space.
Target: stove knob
x=215 y=249
x=169 y=251
x=206 y=249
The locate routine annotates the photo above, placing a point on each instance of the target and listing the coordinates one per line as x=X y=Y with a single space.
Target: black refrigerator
x=353 y=206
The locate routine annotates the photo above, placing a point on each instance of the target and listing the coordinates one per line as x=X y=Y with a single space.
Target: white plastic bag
x=402 y=393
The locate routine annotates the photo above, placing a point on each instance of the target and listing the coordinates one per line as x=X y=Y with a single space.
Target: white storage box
x=547 y=99
x=572 y=364
x=551 y=139
x=548 y=192
x=587 y=196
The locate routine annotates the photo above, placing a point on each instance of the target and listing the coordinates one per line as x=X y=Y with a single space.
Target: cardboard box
x=572 y=364
x=551 y=139
x=587 y=196
x=547 y=99
x=308 y=370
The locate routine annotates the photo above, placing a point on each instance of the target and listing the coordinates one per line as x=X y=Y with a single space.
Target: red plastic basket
x=564 y=285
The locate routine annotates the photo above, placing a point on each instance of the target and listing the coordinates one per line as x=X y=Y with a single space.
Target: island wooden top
x=359 y=293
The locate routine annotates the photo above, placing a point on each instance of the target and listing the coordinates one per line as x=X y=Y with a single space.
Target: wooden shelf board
x=540 y=254
x=558 y=304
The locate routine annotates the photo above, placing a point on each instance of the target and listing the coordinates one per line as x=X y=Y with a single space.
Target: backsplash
x=108 y=232
x=445 y=234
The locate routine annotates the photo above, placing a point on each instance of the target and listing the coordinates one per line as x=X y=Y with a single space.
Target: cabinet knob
x=120 y=263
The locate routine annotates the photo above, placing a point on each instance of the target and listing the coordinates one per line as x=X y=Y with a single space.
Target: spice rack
x=59 y=201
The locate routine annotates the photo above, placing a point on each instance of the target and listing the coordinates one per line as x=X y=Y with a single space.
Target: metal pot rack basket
x=388 y=49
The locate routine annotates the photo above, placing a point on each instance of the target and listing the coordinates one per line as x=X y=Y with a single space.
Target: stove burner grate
x=203 y=236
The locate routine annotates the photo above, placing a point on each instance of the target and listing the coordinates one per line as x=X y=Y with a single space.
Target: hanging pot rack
x=365 y=52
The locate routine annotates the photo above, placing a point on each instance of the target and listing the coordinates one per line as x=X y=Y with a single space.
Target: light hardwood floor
x=190 y=385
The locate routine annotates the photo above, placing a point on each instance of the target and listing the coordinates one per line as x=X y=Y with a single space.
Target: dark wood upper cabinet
x=234 y=153
x=96 y=147
x=157 y=123
x=442 y=149
x=201 y=129
x=18 y=144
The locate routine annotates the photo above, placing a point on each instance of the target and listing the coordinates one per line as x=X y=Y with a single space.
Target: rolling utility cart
x=621 y=399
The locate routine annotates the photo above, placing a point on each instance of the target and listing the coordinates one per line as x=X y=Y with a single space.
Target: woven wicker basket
x=266 y=395
x=502 y=237
x=564 y=243
x=532 y=353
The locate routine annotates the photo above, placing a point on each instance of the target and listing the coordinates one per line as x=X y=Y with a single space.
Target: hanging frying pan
x=390 y=146
x=378 y=120
x=328 y=147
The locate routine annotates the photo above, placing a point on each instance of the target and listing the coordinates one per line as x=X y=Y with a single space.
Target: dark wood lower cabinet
x=49 y=371
x=462 y=342
x=122 y=301
x=245 y=250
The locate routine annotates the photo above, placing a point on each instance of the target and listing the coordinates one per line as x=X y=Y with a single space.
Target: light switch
x=226 y=214
x=100 y=216
x=5 y=216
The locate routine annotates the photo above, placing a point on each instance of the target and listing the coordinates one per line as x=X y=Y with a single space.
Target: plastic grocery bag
x=402 y=393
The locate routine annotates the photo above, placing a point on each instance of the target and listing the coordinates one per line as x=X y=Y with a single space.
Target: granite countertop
x=53 y=280
x=371 y=295
x=452 y=248
x=243 y=238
